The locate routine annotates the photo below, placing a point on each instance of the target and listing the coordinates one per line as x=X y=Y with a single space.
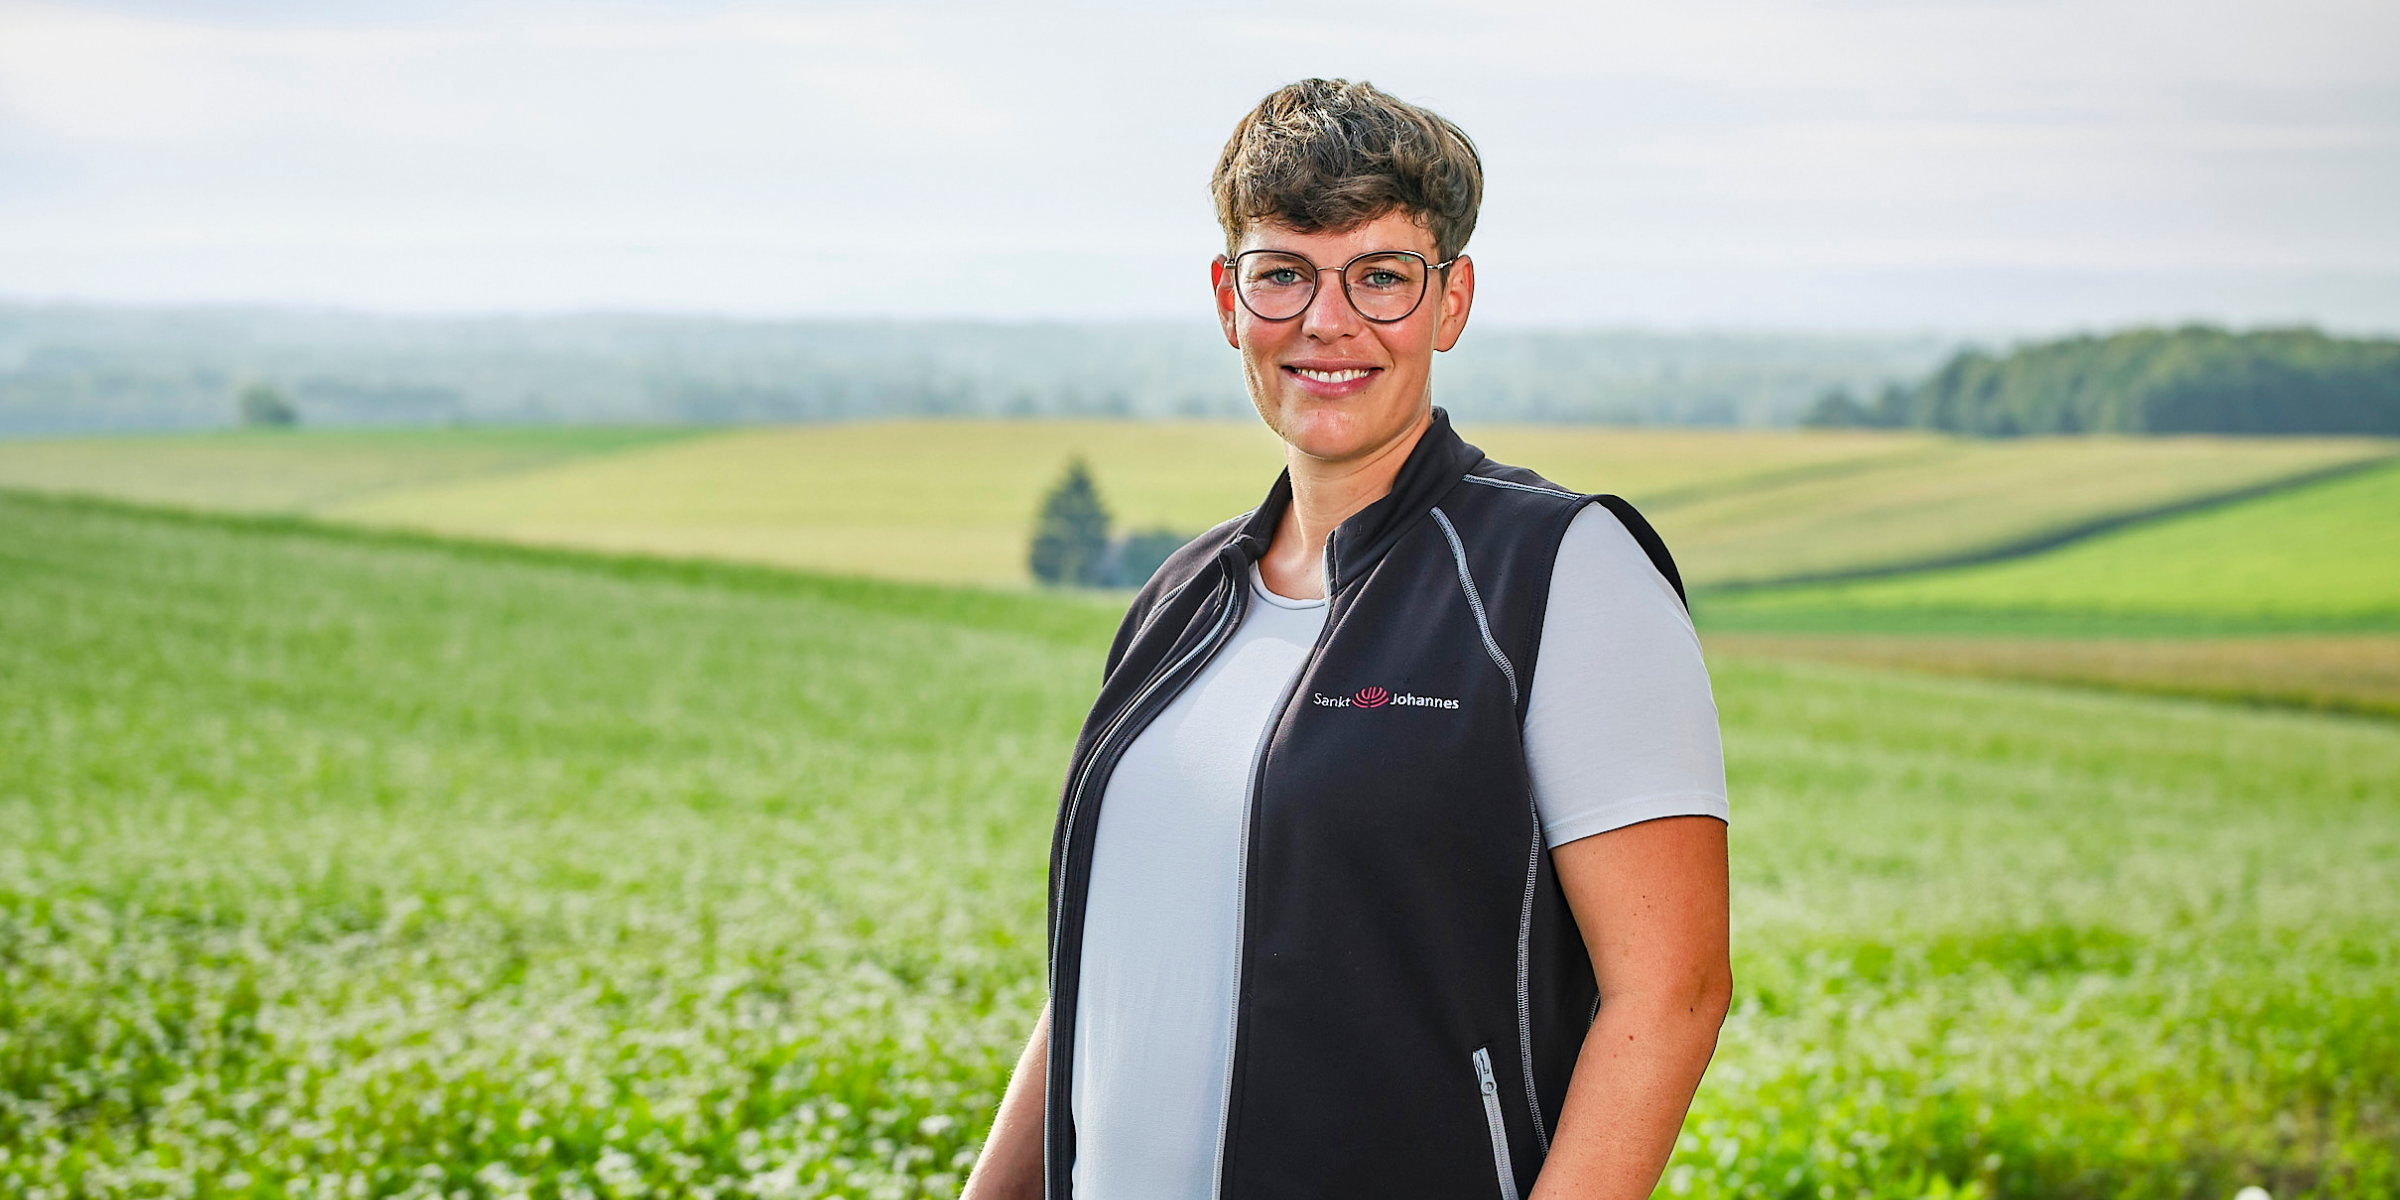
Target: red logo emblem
x=1373 y=697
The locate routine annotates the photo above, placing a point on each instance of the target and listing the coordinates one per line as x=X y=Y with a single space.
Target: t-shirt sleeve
x=1621 y=727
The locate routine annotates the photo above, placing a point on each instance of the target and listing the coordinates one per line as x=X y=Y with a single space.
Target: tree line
x=2196 y=379
x=89 y=369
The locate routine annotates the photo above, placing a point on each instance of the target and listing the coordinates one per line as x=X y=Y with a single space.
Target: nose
x=1329 y=316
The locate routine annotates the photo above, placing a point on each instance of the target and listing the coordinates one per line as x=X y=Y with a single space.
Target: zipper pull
x=1483 y=1072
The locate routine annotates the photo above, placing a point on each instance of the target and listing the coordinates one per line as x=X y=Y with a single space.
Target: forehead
x=1392 y=231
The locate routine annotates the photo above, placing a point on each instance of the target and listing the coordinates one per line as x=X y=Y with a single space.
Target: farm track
x=2357 y=674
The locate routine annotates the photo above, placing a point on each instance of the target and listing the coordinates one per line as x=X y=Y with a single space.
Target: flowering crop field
x=346 y=864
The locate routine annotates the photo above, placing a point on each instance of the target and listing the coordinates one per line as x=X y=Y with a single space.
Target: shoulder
x=1602 y=555
x=1585 y=524
x=1520 y=486
x=1190 y=559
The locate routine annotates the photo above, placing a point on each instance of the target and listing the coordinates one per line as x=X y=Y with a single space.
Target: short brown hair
x=1329 y=154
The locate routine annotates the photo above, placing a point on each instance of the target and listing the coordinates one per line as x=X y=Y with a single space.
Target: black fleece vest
x=1412 y=989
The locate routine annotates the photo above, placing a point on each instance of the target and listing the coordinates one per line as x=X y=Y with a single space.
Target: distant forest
x=86 y=369
x=2191 y=380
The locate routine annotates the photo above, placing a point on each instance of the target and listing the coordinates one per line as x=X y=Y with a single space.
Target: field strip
x=952 y=501
x=298 y=470
x=923 y=501
x=1967 y=499
x=2352 y=673
x=2322 y=557
x=1669 y=499
x=1065 y=617
x=2058 y=538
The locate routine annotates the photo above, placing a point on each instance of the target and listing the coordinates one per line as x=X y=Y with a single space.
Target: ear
x=1220 y=277
x=1458 y=296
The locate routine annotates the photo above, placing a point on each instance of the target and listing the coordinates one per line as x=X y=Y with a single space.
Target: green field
x=954 y=501
x=347 y=864
x=2322 y=556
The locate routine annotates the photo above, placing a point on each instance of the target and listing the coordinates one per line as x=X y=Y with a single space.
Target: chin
x=1342 y=429
x=1326 y=431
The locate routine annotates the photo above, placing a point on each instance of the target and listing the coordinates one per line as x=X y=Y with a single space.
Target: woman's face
x=1332 y=384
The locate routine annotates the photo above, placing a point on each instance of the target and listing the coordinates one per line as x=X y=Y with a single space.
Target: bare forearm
x=1626 y=1102
x=1010 y=1167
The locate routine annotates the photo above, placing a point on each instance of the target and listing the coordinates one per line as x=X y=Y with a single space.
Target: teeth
x=1333 y=376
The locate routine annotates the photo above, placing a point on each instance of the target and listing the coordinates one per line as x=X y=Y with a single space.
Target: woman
x=1391 y=859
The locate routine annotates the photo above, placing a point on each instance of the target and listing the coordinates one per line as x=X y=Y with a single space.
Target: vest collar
x=1434 y=466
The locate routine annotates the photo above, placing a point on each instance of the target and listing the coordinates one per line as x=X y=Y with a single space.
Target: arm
x=1651 y=901
x=1010 y=1167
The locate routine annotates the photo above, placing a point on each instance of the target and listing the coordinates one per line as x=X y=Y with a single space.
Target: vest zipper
x=1490 y=1088
x=1533 y=860
x=1241 y=910
x=1533 y=1100
x=1227 y=619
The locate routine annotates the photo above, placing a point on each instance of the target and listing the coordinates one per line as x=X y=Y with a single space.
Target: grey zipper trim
x=1533 y=1101
x=1233 y=603
x=1241 y=903
x=1491 y=1116
x=1520 y=487
x=1533 y=859
x=1466 y=580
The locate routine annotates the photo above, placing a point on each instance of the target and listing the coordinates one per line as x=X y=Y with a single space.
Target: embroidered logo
x=1372 y=696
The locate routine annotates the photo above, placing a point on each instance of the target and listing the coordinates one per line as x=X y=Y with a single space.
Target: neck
x=1326 y=493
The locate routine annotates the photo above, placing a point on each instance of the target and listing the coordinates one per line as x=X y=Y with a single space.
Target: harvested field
x=954 y=501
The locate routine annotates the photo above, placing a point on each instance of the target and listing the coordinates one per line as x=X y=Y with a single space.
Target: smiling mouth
x=1344 y=376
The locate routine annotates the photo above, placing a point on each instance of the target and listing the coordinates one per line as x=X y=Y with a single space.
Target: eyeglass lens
x=1278 y=286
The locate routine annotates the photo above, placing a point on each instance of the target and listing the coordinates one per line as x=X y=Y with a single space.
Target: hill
x=2190 y=380
x=954 y=501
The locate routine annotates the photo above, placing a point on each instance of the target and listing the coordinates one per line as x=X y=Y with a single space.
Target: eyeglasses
x=1383 y=285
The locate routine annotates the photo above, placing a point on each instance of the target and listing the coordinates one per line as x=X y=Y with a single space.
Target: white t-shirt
x=1620 y=728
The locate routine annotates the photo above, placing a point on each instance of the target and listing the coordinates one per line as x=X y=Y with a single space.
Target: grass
x=348 y=864
x=2323 y=556
x=952 y=501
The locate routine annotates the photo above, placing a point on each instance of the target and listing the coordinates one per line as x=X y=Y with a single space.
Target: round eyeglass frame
x=1235 y=282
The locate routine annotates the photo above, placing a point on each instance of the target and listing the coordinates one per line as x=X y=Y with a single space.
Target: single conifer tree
x=263 y=406
x=1070 y=538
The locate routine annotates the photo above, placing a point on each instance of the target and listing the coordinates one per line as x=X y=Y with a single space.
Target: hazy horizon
x=1986 y=170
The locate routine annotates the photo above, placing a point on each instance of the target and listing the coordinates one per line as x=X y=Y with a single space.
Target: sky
x=1914 y=165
